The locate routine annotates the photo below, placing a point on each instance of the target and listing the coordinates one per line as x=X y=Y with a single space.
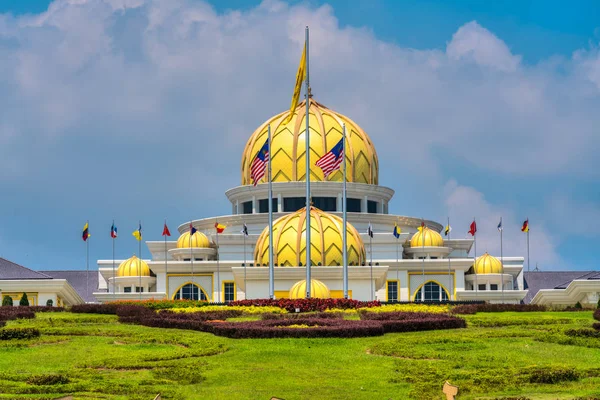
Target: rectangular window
x=263 y=205
x=493 y=286
x=392 y=290
x=293 y=203
x=139 y=289
x=229 y=291
x=325 y=203
x=127 y=289
x=353 y=205
x=247 y=207
x=482 y=287
x=371 y=207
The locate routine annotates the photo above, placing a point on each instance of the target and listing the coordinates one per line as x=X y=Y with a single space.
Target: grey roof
x=536 y=280
x=13 y=271
x=78 y=280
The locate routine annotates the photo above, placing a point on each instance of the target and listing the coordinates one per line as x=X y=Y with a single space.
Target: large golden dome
x=487 y=264
x=199 y=239
x=133 y=267
x=318 y=290
x=288 y=147
x=289 y=241
x=426 y=237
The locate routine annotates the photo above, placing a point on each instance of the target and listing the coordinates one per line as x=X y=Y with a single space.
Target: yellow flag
x=300 y=75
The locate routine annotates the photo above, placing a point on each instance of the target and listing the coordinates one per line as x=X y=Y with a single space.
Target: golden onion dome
x=426 y=237
x=199 y=239
x=133 y=267
x=288 y=146
x=289 y=241
x=317 y=290
x=487 y=264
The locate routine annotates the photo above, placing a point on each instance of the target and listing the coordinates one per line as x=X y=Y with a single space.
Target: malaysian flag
x=332 y=160
x=258 y=167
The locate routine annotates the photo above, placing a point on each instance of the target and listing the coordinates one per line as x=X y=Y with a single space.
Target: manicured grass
x=495 y=357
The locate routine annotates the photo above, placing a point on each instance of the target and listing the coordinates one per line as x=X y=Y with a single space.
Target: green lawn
x=495 y=357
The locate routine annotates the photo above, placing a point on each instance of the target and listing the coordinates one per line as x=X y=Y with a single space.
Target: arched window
x=431 y=291
x=190 y=291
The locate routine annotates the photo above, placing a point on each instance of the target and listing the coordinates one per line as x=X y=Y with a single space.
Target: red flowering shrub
x=486 y=307
x=109 y=308
x=307 y=305
x=10 y=313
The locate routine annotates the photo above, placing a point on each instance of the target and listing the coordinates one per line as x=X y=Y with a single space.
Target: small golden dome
x=289 y=241
x=133 y=267
x=288 y=147
x=487 y=264
x=431 y=238
x=317 y=290
x=199 y=239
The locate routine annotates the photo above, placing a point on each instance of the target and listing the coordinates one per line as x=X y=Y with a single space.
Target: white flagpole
x=475 y=259
x=271 y=266
x=245 y=262
x=423 y=262
x=113 y=249
x=397 y=267
x=192 y=265
x=140 y=260
x=449 y=268
x=166 y=268
x=501 y=260
x=218 y=267
x=87 y=262
x=344 y=217
x=528 y=244
x=307 y=155
x=371 y=263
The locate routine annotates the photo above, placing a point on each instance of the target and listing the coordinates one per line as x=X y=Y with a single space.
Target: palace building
x=419 y=265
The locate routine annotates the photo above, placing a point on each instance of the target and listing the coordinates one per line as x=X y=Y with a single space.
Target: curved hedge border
x=108 y=308
x=371 y=324
x=8 y=313
x=475 y=308
x=307 y=305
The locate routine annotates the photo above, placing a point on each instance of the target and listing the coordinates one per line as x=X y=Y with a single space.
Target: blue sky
x=109 y=108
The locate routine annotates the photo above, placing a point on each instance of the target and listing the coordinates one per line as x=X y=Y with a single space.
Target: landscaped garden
x=334 y=349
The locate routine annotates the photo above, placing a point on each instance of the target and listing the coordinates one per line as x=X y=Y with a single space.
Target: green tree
x=49 y=303
x=7 y=301
x=24 y=300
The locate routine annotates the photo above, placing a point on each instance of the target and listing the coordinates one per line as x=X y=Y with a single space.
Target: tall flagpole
x=244 y=235
x=423 y=262
x=140 y=260
x=449 y=268
x=113 y=249
x=218 y=267
x=307 y=155
x=271 y=266
x=192 y=261
x=344 y=217
x=527 y=244
x=398 y=268
x=501 y=260
x=371 y=264
x=87 y=262
x=166 y=268
x=475 y=260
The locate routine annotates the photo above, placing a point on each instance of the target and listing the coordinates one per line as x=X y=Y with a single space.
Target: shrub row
x=18 y=333
x=307 y=305
x=475 y=308
x=597 y=315
x=585 y=332
x=46 y=309
x=554 y=375
x=596 y=326
x=203 y=316
x=10 y=313
x=108 y=308
x=164 y=304
x=292 y=326
x=296 y=316
x=51 y=379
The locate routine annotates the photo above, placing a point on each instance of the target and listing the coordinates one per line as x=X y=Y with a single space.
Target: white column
x=339 y=203
x=279 y=203
x=364 y=204
x=253 y=204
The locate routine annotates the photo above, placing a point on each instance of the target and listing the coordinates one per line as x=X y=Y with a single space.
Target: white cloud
x=475 y=43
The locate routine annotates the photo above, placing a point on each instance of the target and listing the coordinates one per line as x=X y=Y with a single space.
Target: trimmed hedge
x=596 y=326
x=10 y=313
x=19 y=333
x=52 y=379
x=109 y=308
x=597 y=315
x=164 y=304
x=46 y=309
x=475 y=308
x=291 y=325
x=586 y=332
x=308 y=305
x=295 y=316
